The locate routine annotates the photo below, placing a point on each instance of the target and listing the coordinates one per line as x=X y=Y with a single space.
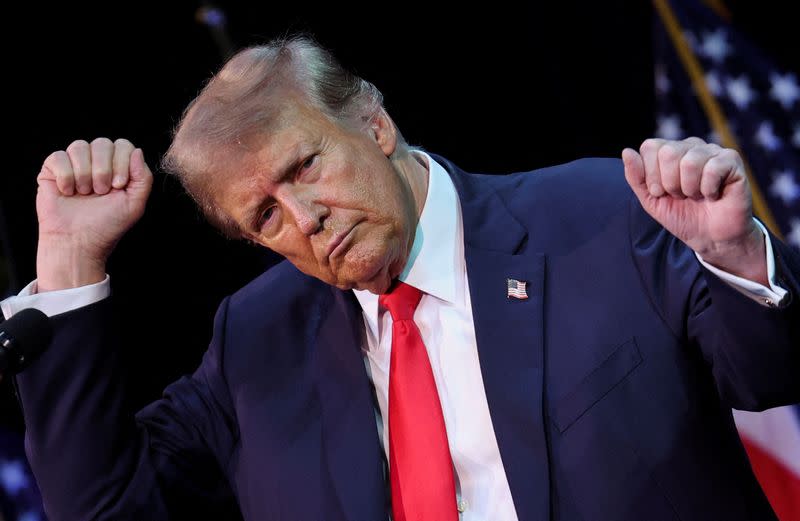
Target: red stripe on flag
x=781 y=486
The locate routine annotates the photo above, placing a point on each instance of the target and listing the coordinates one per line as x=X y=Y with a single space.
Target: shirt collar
x=432 y=263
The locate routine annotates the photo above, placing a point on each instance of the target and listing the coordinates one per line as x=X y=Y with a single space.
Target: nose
x=307 y=214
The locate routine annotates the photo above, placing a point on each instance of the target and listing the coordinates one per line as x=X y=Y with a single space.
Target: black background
x=493 y=87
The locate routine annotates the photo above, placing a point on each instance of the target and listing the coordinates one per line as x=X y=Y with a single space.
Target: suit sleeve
x=752 y=350
x=94 y=459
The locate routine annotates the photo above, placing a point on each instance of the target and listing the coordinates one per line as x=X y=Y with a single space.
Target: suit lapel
x=510 y=335
x=351 y=449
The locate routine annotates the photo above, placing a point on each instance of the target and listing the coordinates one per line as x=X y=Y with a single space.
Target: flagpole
x=710 y=106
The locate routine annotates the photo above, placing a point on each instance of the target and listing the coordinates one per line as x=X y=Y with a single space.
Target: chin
x=372 y=269
x=379 y=286
x=377 y=281
x=373 y=277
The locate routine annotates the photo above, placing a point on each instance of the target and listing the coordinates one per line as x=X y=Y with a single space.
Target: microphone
x=23 y=337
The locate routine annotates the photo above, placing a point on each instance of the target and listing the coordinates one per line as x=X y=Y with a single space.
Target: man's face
x=326 y=198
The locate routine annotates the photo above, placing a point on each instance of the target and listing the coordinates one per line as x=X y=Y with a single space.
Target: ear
x=384 y=132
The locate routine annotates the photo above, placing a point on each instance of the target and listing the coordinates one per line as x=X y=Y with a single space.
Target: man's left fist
x=699 y=193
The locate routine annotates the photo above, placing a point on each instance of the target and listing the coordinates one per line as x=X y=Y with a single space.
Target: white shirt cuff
x=56 y=302
x=770 y=296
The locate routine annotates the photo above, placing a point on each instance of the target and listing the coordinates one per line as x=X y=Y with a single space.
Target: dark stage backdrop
x=494 y=87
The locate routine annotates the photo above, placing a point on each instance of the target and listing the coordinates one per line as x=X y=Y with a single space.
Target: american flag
x=712 y=83
x=716 y=85
x=516 y=289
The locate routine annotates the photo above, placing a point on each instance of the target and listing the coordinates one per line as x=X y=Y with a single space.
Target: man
x=581 y=342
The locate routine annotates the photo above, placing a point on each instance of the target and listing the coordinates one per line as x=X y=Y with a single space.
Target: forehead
x=249 y=166
x=296 y=126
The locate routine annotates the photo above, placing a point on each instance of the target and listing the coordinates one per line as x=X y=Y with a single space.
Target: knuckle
x=81 y=173
x=102 y=171
x=77 y=146
x=715 y=165
x=122 y=142
x=691 y=163
x=668 y=153
x=671 y=184
x=650 y=145
x=101 y=141
x=55 y=157
x=694 y=140
x=729 y=154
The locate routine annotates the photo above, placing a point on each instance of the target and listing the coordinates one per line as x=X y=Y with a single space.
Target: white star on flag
x=766 y=137
x=713 y=83
x=785 y=187
x=12 y=477
x=669 y=127
x=715 y=46
x=794 y=233
x=739 y=91
x=784 y=89
x=662 y=81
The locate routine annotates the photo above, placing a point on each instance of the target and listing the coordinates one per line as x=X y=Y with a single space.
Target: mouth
x=339 y=243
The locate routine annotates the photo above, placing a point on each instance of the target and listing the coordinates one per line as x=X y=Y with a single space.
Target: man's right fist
x=88 y=197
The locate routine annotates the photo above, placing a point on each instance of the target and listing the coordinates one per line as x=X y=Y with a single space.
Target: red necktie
x=420 y=467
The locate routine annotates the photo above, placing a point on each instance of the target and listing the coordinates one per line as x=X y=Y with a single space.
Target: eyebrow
x=252 y=216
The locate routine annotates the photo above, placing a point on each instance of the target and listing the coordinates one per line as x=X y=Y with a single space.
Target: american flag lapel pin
x=516 y=289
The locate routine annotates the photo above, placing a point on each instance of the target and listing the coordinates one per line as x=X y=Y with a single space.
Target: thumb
x=634 y=173
x=47 y=182
x=141 y=178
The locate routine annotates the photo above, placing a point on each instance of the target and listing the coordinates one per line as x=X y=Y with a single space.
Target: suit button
x=462 y=505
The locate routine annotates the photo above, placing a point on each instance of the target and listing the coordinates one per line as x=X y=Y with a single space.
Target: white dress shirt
x=444 y=317
x=437 y=267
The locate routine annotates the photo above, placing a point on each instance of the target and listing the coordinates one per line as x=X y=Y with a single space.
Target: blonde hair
x=243 y=99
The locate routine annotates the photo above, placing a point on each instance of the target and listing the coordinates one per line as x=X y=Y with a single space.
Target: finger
x=694 y=141
x=141 y=178
x=712 y=179
x=634 y=173
x=669 y=158
x=691 y=169
x=102 y=150
x=80 y=156
x=649 y=153
x=715 y=173
x=122 y=158
x=59 y=167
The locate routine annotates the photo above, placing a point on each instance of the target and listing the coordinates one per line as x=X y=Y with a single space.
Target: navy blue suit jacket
x=610 y=388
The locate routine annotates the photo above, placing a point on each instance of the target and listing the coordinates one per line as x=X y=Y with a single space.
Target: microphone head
x=23 y=337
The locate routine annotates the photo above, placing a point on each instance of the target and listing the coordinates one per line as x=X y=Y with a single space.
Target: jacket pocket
x=596 y=384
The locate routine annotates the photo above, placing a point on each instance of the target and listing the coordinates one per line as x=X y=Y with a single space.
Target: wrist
x=62 y=266
x=745 y=258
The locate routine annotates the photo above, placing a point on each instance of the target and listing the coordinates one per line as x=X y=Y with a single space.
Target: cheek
x=379 y=246
x=311 y=267
x=296 y=249
x=302 y=256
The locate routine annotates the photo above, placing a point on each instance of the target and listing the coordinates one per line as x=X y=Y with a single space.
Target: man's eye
x=310 y=161
x=265 y=217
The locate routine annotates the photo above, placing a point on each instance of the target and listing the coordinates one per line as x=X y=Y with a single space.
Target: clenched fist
x=89 y=195
x=699 y=193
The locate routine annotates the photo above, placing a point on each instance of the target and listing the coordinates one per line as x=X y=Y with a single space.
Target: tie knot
x=401 y=301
